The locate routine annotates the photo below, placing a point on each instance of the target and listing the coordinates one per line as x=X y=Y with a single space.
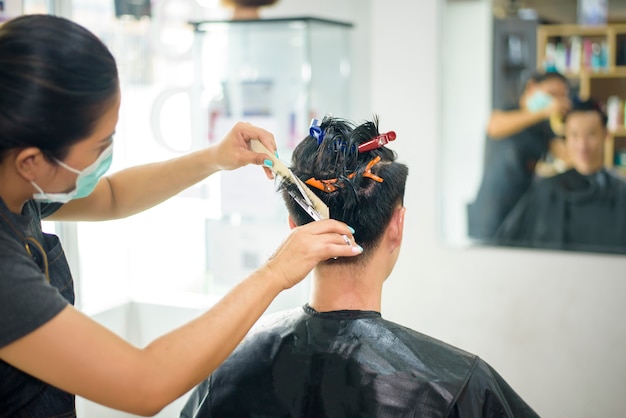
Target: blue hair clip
x=341 y=146
x=316 y=131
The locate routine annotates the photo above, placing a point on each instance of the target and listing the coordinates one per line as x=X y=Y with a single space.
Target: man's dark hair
x=362 y=202
x=588 y=105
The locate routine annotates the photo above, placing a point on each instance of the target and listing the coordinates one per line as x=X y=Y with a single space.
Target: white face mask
x=85 y=182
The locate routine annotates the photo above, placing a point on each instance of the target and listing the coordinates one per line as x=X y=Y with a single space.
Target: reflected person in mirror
x=517 y=138
x=337 y=356
x=582 y=209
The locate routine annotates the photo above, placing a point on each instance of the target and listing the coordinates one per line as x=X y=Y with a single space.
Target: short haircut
x=364 y=204
x=588 y=105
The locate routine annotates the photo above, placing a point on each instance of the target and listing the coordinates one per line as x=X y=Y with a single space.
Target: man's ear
x=292 y=224
x=396 y=227
x=29 y=163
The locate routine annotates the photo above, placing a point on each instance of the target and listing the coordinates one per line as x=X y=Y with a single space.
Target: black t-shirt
x=27 y=301
x=508 y=172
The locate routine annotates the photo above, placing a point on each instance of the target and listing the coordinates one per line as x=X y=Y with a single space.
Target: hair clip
x=332 y=185
x=327 y=186
x=340 y=145
x=316 y=131
x=368 y=170
x=377 y=142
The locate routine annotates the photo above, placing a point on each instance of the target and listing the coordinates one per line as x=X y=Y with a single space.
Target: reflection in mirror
x=533 y=124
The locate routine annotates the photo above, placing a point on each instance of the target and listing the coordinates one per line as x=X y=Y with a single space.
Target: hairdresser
x=59 y=104
x=518 y=137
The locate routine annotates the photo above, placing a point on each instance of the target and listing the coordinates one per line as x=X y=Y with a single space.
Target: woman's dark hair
x=539 y=77
x=56 y=80
x=359 y=201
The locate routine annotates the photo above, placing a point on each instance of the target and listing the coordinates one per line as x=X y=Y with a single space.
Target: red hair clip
x=377 y=142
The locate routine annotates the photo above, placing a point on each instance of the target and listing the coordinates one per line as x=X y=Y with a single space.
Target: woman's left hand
x=234 y=151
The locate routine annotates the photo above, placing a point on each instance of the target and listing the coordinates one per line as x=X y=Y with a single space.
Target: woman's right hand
x=308 y=245
x=558 y=106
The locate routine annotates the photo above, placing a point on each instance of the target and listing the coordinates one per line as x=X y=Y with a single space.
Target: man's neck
x=589 y=169
x=336 y=288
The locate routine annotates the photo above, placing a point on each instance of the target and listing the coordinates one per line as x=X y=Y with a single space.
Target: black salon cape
x=302 y=363
x=570 y=211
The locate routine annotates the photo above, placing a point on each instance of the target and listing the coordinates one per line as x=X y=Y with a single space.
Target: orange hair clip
x=368 y=170
x=330 y=185
x=327 y=186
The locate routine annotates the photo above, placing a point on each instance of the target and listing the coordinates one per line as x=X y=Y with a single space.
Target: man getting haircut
x=336 y=356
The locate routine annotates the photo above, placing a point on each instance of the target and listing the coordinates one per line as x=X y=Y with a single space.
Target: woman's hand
x=234 y=151
x=306 y=246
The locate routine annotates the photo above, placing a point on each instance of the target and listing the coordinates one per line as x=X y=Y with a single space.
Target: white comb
x=282 y=170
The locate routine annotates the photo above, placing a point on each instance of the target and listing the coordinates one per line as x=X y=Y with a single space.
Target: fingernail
x=358 y=249
x=352 y=231
x=268 y=163
x=276 y=153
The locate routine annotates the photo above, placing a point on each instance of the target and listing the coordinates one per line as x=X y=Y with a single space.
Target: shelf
x=572 y=30
x=601 y=84
x=621 y=131
x=619 y=72
x=553 y=31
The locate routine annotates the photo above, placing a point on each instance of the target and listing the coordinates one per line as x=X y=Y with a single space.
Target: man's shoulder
x=447 y=355
x=396 y=335
x=487 y=390
x=554 y=184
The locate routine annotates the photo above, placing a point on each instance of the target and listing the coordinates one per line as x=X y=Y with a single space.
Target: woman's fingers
x=233 y=151
x=309 y=244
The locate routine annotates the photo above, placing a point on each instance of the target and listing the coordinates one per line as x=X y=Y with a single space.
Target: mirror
x=527 y=158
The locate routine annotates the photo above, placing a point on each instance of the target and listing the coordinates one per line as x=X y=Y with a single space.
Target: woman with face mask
x=517 y=138
x=59 y=105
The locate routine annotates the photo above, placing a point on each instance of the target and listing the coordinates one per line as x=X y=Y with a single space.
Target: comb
x=282 y=170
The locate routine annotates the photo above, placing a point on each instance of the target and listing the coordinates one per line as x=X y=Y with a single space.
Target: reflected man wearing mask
x=517 y=138
x=582 y=209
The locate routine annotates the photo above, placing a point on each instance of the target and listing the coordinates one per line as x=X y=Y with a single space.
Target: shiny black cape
x=570 y=211
x=303 y=363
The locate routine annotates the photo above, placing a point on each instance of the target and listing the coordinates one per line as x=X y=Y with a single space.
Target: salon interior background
x=550 y=322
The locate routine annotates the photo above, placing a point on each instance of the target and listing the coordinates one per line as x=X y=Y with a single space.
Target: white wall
x=549 y=322
x=465 y=97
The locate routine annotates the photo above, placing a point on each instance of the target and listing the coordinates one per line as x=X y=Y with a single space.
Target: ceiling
x=559 y=11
